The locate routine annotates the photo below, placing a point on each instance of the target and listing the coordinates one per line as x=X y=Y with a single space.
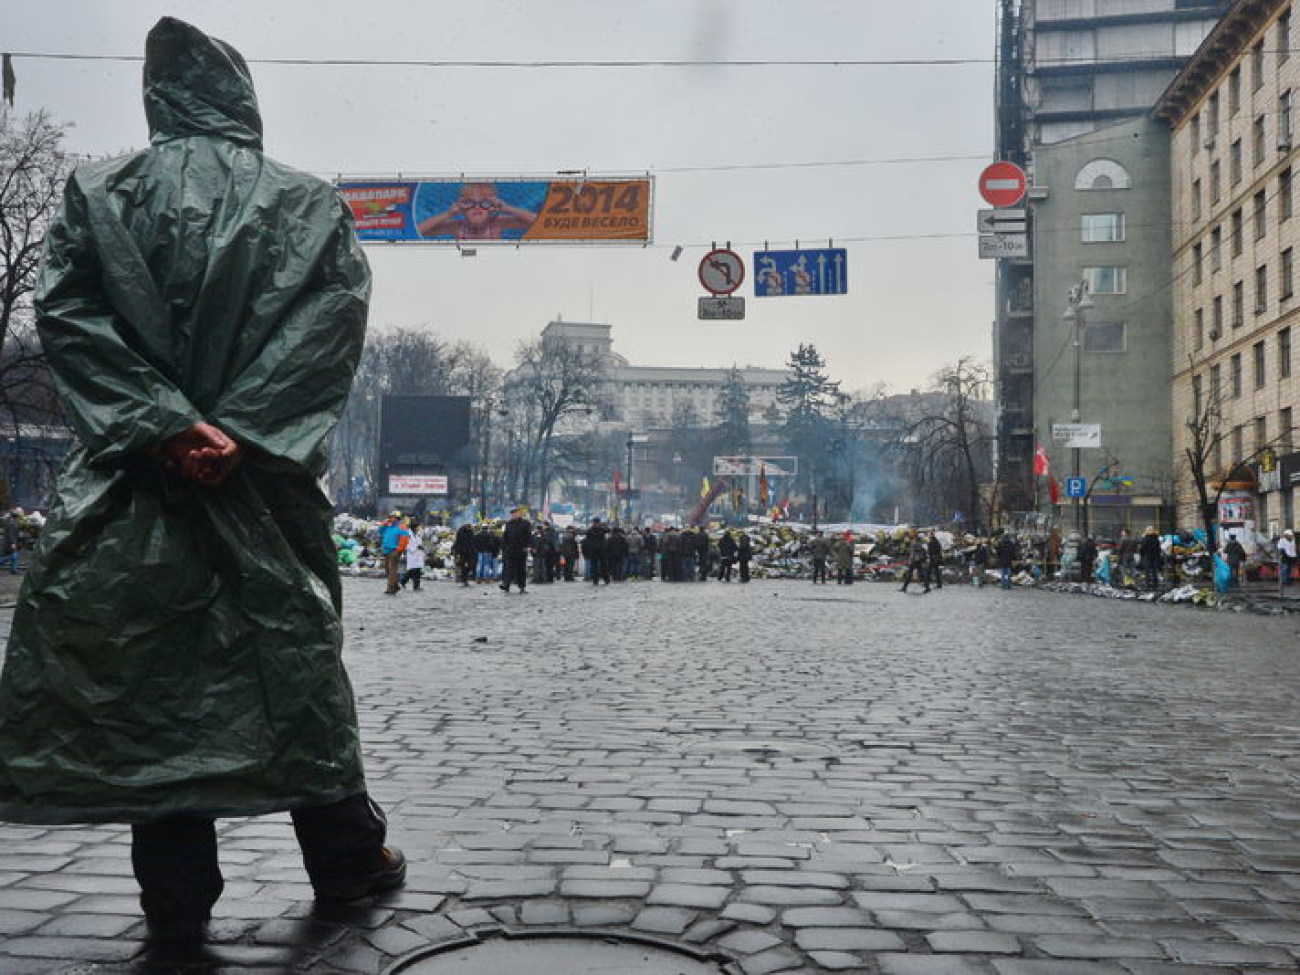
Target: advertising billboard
x=514 y=211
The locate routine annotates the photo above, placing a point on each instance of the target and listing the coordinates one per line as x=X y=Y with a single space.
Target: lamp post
x=483 y=476
x=1078 y=302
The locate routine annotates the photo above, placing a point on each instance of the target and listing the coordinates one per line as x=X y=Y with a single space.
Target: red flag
x=1041 y=464
x=762 y=484
x=1054 y=490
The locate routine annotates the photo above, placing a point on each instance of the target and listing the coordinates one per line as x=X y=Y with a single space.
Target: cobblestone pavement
x=779 y=777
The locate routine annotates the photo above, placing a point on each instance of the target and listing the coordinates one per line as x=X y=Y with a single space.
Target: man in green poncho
x=176 y=651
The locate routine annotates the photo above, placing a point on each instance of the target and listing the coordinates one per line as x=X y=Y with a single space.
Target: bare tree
x=947 y=442
x=551 y=382
x=33 y=170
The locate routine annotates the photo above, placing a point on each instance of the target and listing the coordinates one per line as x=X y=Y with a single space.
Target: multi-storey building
x=1231 y=113
x=643 y=397
x=1076 y=82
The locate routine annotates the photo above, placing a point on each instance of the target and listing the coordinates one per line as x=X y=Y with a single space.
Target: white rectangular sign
x=730 y=308
x=1085 y=435
x=1004 y=245
x=754 y=466
x=1001 y=221
x=417 y=484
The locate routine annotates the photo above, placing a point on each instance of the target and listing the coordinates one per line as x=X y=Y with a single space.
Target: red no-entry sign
x=1003 y=184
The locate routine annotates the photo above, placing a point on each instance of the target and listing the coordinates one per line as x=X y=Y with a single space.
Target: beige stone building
x=1232 y=116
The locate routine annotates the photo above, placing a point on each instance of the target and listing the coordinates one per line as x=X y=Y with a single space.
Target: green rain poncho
x=178 y=648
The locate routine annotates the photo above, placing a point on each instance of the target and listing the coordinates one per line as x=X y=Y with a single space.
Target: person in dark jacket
x=516 y=539
x=1087 y=558
x=916 y=564
x=569 y=552
x=744 y=555
x=726 y=556
x=1151 y=557
x=670 y=556
x=934 y=560
x=464 y=553
x=616 y=554
x=176 y=653
x=593 y=552
x=1235 y=555
x=703 y=554
x=488 y=545
x=1006 y=555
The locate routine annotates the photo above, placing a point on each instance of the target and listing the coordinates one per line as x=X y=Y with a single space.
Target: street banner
x=451 y=211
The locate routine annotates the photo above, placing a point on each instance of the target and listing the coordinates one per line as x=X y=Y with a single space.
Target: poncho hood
x=197 y=85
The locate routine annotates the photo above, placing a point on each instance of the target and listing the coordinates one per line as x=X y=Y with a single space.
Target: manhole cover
x=763 y=748
x=557 y=955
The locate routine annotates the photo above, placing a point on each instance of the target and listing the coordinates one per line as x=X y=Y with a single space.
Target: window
x=1212 y=119
x=1196 y=396
x=1284 y=353
x=1261 y=433
x=1194 y=132
x=1104 y=337
x=1261 y=215
x=1238 y=442
x=1284 y=428
x=1284 y=120
x=1103 y=227
x=1103 y=174
x=1258 y=141
x=1217 y=319
x=1215 y=181
x=1198 y=328
x=1284 y=36
x=1216 y=248
x=1237 y=224
x=1234 y=161
x=1284 y=199
x=1106 y=280
x=1234 y=91
x=1286 y=274
x=1197 y=273
x=1257 y=358
x=1238 y=304
x=1216 y=386
x=1234 y=376
x=1196 y=199
x=1257 y=65
x=1261 y=289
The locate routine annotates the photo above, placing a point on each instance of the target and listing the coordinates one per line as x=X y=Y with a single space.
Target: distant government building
x=648 y=396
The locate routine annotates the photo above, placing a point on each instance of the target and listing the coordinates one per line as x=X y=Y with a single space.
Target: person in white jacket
x=415 y=558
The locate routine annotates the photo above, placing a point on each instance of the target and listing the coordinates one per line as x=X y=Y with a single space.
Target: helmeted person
x=175 y=654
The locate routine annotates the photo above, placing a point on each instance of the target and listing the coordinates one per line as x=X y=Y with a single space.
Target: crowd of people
x=518 y=552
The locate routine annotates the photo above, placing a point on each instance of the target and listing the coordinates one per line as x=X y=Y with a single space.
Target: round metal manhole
x=557 y=955
x=762 y=748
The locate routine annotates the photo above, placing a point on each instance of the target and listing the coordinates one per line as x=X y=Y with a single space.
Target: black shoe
x=504 y=588
x=389 y=873
x=178 y=932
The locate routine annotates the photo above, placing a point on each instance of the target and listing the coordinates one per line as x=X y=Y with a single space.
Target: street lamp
x=632 y=440
x=1079 y=301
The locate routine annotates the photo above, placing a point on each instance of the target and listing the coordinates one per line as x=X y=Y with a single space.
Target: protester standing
x=202 y=308
x=516 y=538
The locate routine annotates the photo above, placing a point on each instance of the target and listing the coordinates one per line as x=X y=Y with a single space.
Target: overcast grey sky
x=746 y=154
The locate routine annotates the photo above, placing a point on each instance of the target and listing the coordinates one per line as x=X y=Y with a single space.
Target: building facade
x=1231 y=115
x=645 y=397
x=1076 y=81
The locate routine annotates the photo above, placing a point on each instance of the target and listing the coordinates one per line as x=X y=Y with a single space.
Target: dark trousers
x=819 y=570
x=176 y=865
x=514 y=571
x=916 y=570
x=744 y=570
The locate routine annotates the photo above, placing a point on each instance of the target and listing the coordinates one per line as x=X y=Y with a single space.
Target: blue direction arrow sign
x=810 y=272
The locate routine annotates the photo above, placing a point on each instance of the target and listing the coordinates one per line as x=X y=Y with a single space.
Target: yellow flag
x=704 y=488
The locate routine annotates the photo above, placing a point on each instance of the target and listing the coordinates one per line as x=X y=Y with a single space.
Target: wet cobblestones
x=798 y=779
